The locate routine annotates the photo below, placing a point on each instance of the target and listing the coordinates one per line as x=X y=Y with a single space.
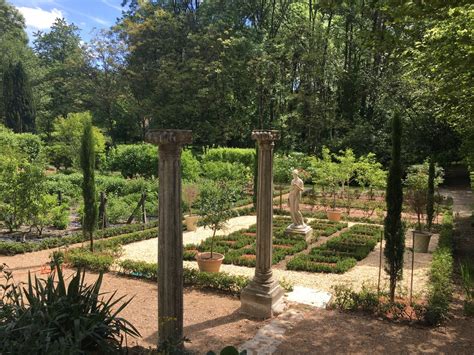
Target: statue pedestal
x=300 y=232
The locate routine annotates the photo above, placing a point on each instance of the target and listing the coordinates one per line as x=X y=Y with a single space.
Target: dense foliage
x=325 y=73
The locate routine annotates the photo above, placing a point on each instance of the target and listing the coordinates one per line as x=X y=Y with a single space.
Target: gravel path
x=147 y=250
x=365 y=272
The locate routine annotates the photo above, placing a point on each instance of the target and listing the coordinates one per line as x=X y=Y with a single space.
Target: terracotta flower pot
x=191 y=222
x=422 y=241
x=334 y=215
x=206 y=264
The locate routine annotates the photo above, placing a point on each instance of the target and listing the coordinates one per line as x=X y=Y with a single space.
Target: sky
x=88 y=15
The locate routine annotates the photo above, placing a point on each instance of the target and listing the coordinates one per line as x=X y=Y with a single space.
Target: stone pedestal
x=263 y=297
x=170 y=234
x=300 y=232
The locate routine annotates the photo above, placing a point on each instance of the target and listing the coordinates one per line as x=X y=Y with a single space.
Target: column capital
x=265 y=136
x=178 y=137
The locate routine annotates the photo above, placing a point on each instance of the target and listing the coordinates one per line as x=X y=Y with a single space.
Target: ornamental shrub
x=218 y=170
x=244 y=156
x=46 y=317
x=134 y=160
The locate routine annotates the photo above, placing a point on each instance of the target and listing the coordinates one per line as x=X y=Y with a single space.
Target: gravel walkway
x=365 y=272
x=147 y=250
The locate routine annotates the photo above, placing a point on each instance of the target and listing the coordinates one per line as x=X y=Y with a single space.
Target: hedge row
x=217 y=281
x=244 y=156
x=13 y=248
x=106 y=251
x=340 y=253
x=440 y=286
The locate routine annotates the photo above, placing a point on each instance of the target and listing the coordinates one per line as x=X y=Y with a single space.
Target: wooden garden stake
x=412 y=265
x=380 y=264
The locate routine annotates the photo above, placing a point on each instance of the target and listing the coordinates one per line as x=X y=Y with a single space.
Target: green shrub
x=190 y=166
x=12 y=248
x=46 y=317
x=244 y=156
x=85 y=259
x=315 y=263
x=218 y=170
x=134 y=160
x=60 y=216
x=440 y=287
x=218 y=281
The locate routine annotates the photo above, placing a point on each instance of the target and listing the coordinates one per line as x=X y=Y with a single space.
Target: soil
x=335 y=332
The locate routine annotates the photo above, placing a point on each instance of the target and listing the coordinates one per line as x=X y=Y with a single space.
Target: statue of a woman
x=294 y=200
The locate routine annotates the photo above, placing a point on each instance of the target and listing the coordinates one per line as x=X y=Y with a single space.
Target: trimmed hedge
x=13 y=248
x=217 y=281
x=440 y=288
x=244 y=156
x=340 y=253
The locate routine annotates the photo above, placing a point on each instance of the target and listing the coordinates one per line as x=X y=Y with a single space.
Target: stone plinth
x=300 y=232
x=170 y=234
x=263 y=297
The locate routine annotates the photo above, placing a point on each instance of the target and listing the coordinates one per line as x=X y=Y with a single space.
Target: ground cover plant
x=340 y=253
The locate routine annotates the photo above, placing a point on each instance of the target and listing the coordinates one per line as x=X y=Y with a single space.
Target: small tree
x=327 y=174
x=215 y=203
x=394 y=232
x=190 y=194
x=419 y=194
x=88 y=184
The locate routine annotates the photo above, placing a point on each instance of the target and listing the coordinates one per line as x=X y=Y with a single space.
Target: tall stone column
x=170 y=234
x=263 y=296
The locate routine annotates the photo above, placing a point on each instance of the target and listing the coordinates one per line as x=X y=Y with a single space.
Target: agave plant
x=48 y=316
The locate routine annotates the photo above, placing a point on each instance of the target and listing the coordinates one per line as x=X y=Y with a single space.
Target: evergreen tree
x=430 y=197
x=88 y=183
x=18 y=99
x=394 y=232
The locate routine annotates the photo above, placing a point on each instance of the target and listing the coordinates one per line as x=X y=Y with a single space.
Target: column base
x=262 y=301
x=305 y=232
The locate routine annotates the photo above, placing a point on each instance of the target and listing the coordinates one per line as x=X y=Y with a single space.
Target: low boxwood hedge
x=13 y=248
x=217 y=281
x=340 y=253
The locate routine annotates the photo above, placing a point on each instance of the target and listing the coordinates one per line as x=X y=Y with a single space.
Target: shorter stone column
x=170 y=233
x=263 y=297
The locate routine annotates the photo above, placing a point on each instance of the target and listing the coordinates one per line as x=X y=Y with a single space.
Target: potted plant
x=190 y=194
x=215 y=203
x=330 y=177
x=417 y=183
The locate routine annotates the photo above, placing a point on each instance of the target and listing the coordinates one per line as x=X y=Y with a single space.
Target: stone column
x=170 y=234
x=263 y=296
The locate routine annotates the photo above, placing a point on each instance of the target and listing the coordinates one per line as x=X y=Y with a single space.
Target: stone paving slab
x=309 y=296
x=269 y=337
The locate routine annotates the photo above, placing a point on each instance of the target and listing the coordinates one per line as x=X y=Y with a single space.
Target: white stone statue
x=294 y=201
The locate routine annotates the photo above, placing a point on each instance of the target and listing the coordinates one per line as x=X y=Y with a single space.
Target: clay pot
x=334 y=215
x=206 y=264
x=191 y=222
x=422 y=241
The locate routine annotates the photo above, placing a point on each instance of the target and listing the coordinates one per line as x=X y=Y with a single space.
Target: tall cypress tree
x=394 y=232
x=88 y=184
x=18 y=99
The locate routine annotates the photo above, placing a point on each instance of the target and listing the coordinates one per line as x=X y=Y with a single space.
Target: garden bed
x=239 y=247
x=340 y=253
